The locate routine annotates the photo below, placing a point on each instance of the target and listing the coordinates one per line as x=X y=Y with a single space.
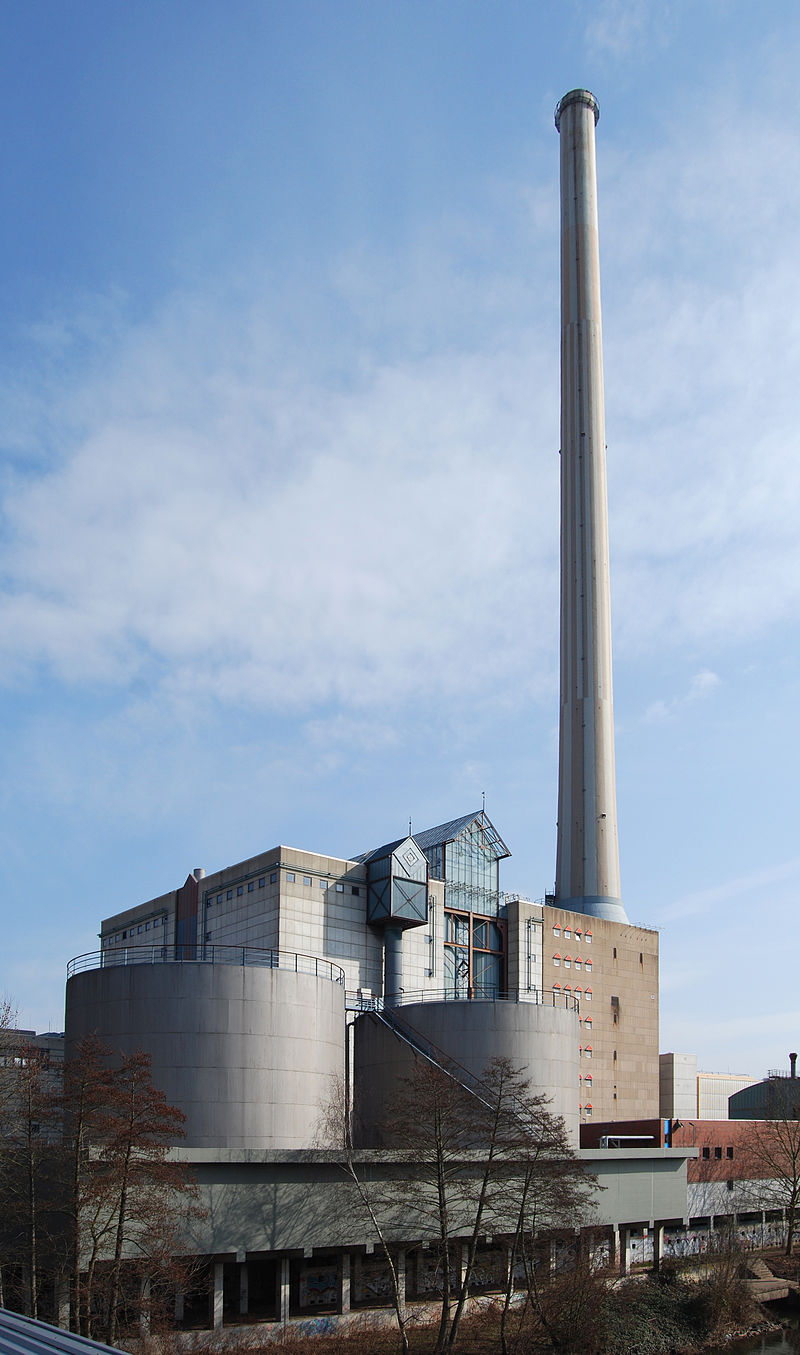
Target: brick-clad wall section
x=620 y=1022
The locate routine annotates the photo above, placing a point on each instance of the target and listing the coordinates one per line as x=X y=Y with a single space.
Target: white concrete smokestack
x=587 y=865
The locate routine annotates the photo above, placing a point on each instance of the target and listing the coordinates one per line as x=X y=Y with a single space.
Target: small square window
x=718 y=1153
x=729 y=1151
x=147 y=926
x=587 y=936
x=229 y=894
x=323 y=884
x=251 y=886
x=124 y=936
x=140 y=929
x=262 y=882
x=355 y=889
x=273 y=877
x=306 y=879
x=219 y=898
x=290 y=877
x=239 y=891
x=556 y=930
x=567 y=933
x=706 y=1152
x=340 y=889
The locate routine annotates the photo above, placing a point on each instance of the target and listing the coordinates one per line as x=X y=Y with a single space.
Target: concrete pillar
x=216 y=1304
x=393 y=964
x=658 y=1245
x=624 y=1250
x=144 y=1308
x=244 y=1287
x=285 y=1290
x=344 y=1287
x=62 y=1303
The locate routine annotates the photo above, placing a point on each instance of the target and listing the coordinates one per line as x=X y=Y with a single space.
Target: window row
x=568 y=933
x=585 y=993
x=130 y=932
x=291 y=878
x=717 y=1152
x=571 y=963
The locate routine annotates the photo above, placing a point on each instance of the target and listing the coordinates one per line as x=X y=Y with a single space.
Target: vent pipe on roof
x=793 y=1065
x=199 y=872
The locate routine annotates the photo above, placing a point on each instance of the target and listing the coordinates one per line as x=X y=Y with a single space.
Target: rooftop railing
x=542 y=997
x=208 y=955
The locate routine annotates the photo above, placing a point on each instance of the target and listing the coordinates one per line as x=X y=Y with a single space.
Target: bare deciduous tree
x=484 y=1157
x=773 y=1154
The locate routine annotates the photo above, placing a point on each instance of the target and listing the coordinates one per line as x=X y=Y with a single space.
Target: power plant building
x=260 y=987
x=268 y=974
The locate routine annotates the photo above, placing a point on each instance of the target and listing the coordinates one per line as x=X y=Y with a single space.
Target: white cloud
x=622 y=29
x=757 y=884
x=273 y=539
x=700 y=687
x=242 y=503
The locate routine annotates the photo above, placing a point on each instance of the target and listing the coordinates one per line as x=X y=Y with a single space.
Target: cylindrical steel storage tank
x=538 y=1038
x=250 y=1054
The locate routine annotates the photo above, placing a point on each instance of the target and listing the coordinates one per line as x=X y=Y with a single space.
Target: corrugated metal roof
x=378 y=853
x=443 y=832
x=24 y=1336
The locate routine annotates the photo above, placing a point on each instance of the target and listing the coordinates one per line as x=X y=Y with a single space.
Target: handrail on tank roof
x=542 y=997
x=206 y=954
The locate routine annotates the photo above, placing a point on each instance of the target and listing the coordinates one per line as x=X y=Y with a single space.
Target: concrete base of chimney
x=596 y=905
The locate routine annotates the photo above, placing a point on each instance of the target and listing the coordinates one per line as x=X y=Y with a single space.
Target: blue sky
x=279 y=425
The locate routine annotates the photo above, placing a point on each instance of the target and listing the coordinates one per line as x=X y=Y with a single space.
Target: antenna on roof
x=483 y=801
x=409 y=826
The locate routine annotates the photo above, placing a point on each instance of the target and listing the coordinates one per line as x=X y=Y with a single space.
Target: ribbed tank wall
x=542 y=1041
x=250 y=1055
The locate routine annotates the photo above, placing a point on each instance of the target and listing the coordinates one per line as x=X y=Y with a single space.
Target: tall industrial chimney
x=587 y=864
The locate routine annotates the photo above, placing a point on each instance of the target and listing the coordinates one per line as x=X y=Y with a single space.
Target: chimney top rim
x=577 y=96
